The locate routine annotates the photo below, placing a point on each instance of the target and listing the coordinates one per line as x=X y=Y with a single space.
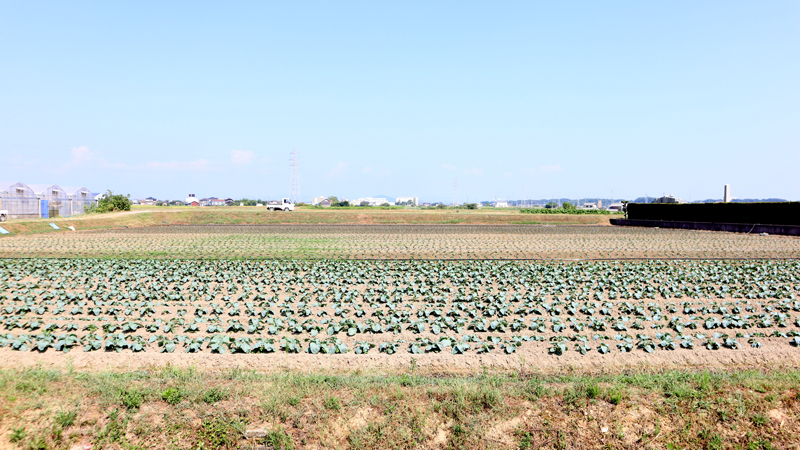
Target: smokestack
x=726 y=196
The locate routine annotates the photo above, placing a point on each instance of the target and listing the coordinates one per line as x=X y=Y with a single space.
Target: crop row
x=340 y=306
x=221 y=343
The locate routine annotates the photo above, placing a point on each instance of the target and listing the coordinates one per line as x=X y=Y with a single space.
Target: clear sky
x=553 y=99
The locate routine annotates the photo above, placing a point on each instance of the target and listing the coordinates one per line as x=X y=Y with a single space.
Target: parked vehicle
x=283 y=205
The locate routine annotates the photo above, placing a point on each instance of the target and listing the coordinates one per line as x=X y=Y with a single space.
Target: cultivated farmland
x=467 y=242
x=459 y=309
x=399 y=336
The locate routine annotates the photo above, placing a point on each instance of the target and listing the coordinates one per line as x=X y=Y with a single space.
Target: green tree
x=333 y=199
x=551 y=205
x=111 y=202
x=568 y=206
x=471 y=205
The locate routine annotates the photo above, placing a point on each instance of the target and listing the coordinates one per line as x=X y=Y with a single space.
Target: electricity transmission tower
x=294 y=197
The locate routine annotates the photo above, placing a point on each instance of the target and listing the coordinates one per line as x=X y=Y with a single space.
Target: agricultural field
x=458 y=309
x=407 y=241
x=398 y=336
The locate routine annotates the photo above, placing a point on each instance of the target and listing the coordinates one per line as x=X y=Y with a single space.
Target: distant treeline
x=564 y=211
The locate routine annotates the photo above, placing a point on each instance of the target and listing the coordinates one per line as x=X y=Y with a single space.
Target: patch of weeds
x=114 y=431
x=17 y=435
x=536 y=390
x=592 y=390
x=458 y=436
x=484 y=398
x=294 y=401
x=713 y=440
x=213 y=395
x=761 y=444
x=407 y=381
x=131 y=399
x=29 y=387
x=615 y=396
x=37 y=443
x=402 y=427
x=221 y=431
x=678 y=389
x=173 y=396
x=759 y=420
x=526 y=440
x=65 y=418
x=278 y=440
x=332 y=403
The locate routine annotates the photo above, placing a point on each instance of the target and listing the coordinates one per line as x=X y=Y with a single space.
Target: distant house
x=192 y=201
x=229 y=201
x=501 y=204
x=317 y=200
x=213 y=201
x=325 y=203
x=615 y=207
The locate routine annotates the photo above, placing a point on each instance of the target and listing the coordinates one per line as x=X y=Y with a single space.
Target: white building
x=317 y=200
x=372 y=201
x=501 y=204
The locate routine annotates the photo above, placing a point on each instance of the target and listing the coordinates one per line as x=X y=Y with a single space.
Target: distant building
x=372 y=201
x=191 y=200
x=501 y=204
x=317 y=200
x=325 y=203
x=405 y=200
x=615 y=207
x=667 y=199
x=591 y=206
x=726 y=195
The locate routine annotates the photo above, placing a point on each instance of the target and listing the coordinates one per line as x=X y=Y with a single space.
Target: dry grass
x=148 y=216
x=163 y=407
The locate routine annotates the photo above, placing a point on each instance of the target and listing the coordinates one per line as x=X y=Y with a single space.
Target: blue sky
x=553 y=99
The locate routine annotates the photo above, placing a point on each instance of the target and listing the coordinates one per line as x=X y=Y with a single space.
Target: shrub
x=110 y=202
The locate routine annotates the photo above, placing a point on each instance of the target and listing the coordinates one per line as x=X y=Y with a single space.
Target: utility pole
x=294 y=196
x=455 y=199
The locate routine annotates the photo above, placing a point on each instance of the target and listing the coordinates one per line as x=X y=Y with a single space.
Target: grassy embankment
x=182 y=408
x=148 y=216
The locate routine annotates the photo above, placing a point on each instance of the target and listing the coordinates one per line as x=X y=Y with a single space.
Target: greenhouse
x=19 y=200
x=59 y=203
x=81 y=198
